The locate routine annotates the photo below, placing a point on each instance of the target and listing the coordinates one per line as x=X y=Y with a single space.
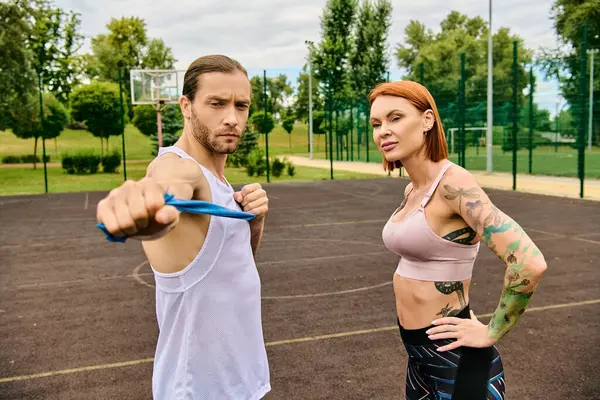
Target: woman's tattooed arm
x=524 y=261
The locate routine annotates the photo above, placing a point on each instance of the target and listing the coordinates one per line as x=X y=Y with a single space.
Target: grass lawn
x=26 y=180
x=546 y=161
x=137 y=146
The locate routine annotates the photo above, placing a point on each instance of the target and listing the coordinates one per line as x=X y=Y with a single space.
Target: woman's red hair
x=436 y=148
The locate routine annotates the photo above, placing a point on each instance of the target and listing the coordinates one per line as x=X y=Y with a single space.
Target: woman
x=437 y=231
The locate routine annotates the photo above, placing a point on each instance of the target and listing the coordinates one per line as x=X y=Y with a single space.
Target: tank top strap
x=181 y=153
x=177 y=150
x=435 y=184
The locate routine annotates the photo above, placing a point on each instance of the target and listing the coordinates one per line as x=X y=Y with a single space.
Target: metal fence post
x=515 y=114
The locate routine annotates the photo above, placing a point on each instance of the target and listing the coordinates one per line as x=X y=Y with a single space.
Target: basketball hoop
x=157 y=87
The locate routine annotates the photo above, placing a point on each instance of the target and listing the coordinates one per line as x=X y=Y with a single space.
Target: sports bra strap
x=435 y=184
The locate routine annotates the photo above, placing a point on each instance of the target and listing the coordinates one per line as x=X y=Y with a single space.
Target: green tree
x=541 y=119
x=122 y=47
x=330 y=56
x=564 y=122
x=27 y=119
x=17 y=77
x=158 y=55
x=98 y=105
x=126 y=45
x=301 y=103
x=439 y=54
x=102 y=64
x=278 y=89
x=54 y=40
x=564 y=62
x=260 y=124
x=145 y=119
x=288 y=126
x=127 y=35
x=68 y=69
x=257 y=104
x=248 y=144
x=36 y=37
x=368 y=60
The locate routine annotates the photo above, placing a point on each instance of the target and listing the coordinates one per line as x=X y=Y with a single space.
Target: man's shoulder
x=171 y=165
x=173 y=170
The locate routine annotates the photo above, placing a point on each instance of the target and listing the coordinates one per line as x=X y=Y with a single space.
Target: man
x=208 y=301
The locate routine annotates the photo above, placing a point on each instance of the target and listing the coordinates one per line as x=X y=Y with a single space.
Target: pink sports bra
x=423 y=254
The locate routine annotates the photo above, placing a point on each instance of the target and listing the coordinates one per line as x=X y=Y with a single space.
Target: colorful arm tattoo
x=524 y=261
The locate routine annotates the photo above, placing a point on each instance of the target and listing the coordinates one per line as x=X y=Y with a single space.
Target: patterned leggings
x=463 y=373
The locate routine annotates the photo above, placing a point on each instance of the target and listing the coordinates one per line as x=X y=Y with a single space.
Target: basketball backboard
x=156 y=86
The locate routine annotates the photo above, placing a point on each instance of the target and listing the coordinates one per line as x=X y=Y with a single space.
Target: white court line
x=308 y=259
x=544 y=232
x=85 y=204
x=268 y=344
x=586 y=240
x=137 y=276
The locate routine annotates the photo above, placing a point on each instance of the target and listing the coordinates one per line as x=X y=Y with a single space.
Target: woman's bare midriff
x=420 y=302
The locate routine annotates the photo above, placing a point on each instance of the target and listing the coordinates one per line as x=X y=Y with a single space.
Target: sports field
x=77 y=316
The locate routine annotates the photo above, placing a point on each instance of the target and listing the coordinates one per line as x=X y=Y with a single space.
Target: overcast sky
x=270 y=34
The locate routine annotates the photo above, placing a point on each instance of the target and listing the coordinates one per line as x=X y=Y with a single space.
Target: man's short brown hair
x=205 y=65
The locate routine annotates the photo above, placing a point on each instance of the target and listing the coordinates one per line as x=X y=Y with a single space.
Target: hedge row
x=90 y=163
x=25 y=159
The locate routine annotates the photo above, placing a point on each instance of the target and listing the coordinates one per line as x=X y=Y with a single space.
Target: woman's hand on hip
x=467 y=332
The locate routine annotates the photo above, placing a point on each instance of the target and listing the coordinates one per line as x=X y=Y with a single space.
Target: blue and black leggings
x=464 y=373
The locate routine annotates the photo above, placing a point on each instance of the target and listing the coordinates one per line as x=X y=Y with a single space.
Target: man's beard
x=203 y=135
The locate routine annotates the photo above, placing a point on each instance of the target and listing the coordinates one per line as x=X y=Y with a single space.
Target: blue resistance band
x=188 y=206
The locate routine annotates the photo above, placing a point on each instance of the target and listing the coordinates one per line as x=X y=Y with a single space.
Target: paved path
x=548 y=185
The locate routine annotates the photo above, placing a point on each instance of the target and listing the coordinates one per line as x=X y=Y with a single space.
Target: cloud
x=270 y=34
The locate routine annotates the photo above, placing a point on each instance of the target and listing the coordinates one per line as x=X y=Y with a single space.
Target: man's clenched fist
x=253 y=199
x=137 y=208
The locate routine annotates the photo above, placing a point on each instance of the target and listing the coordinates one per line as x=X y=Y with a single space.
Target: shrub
x=30 y=158
x=248 y=143
x=277 y=167
x=256 y=163
x=111 y=162
x=11 y=160
x=84 y=163
x=291 y=170
x=26 y=159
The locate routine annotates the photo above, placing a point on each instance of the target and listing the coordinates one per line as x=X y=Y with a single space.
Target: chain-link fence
x=545 y=117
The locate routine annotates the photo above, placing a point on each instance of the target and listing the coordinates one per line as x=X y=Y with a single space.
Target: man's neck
x=214 y=162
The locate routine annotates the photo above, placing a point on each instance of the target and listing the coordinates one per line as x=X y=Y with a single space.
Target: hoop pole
x=489 y=137
x=122 y=125
x=43 y=132
x=159 y=125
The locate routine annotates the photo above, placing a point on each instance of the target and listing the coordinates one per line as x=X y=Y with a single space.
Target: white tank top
x=210 y=343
